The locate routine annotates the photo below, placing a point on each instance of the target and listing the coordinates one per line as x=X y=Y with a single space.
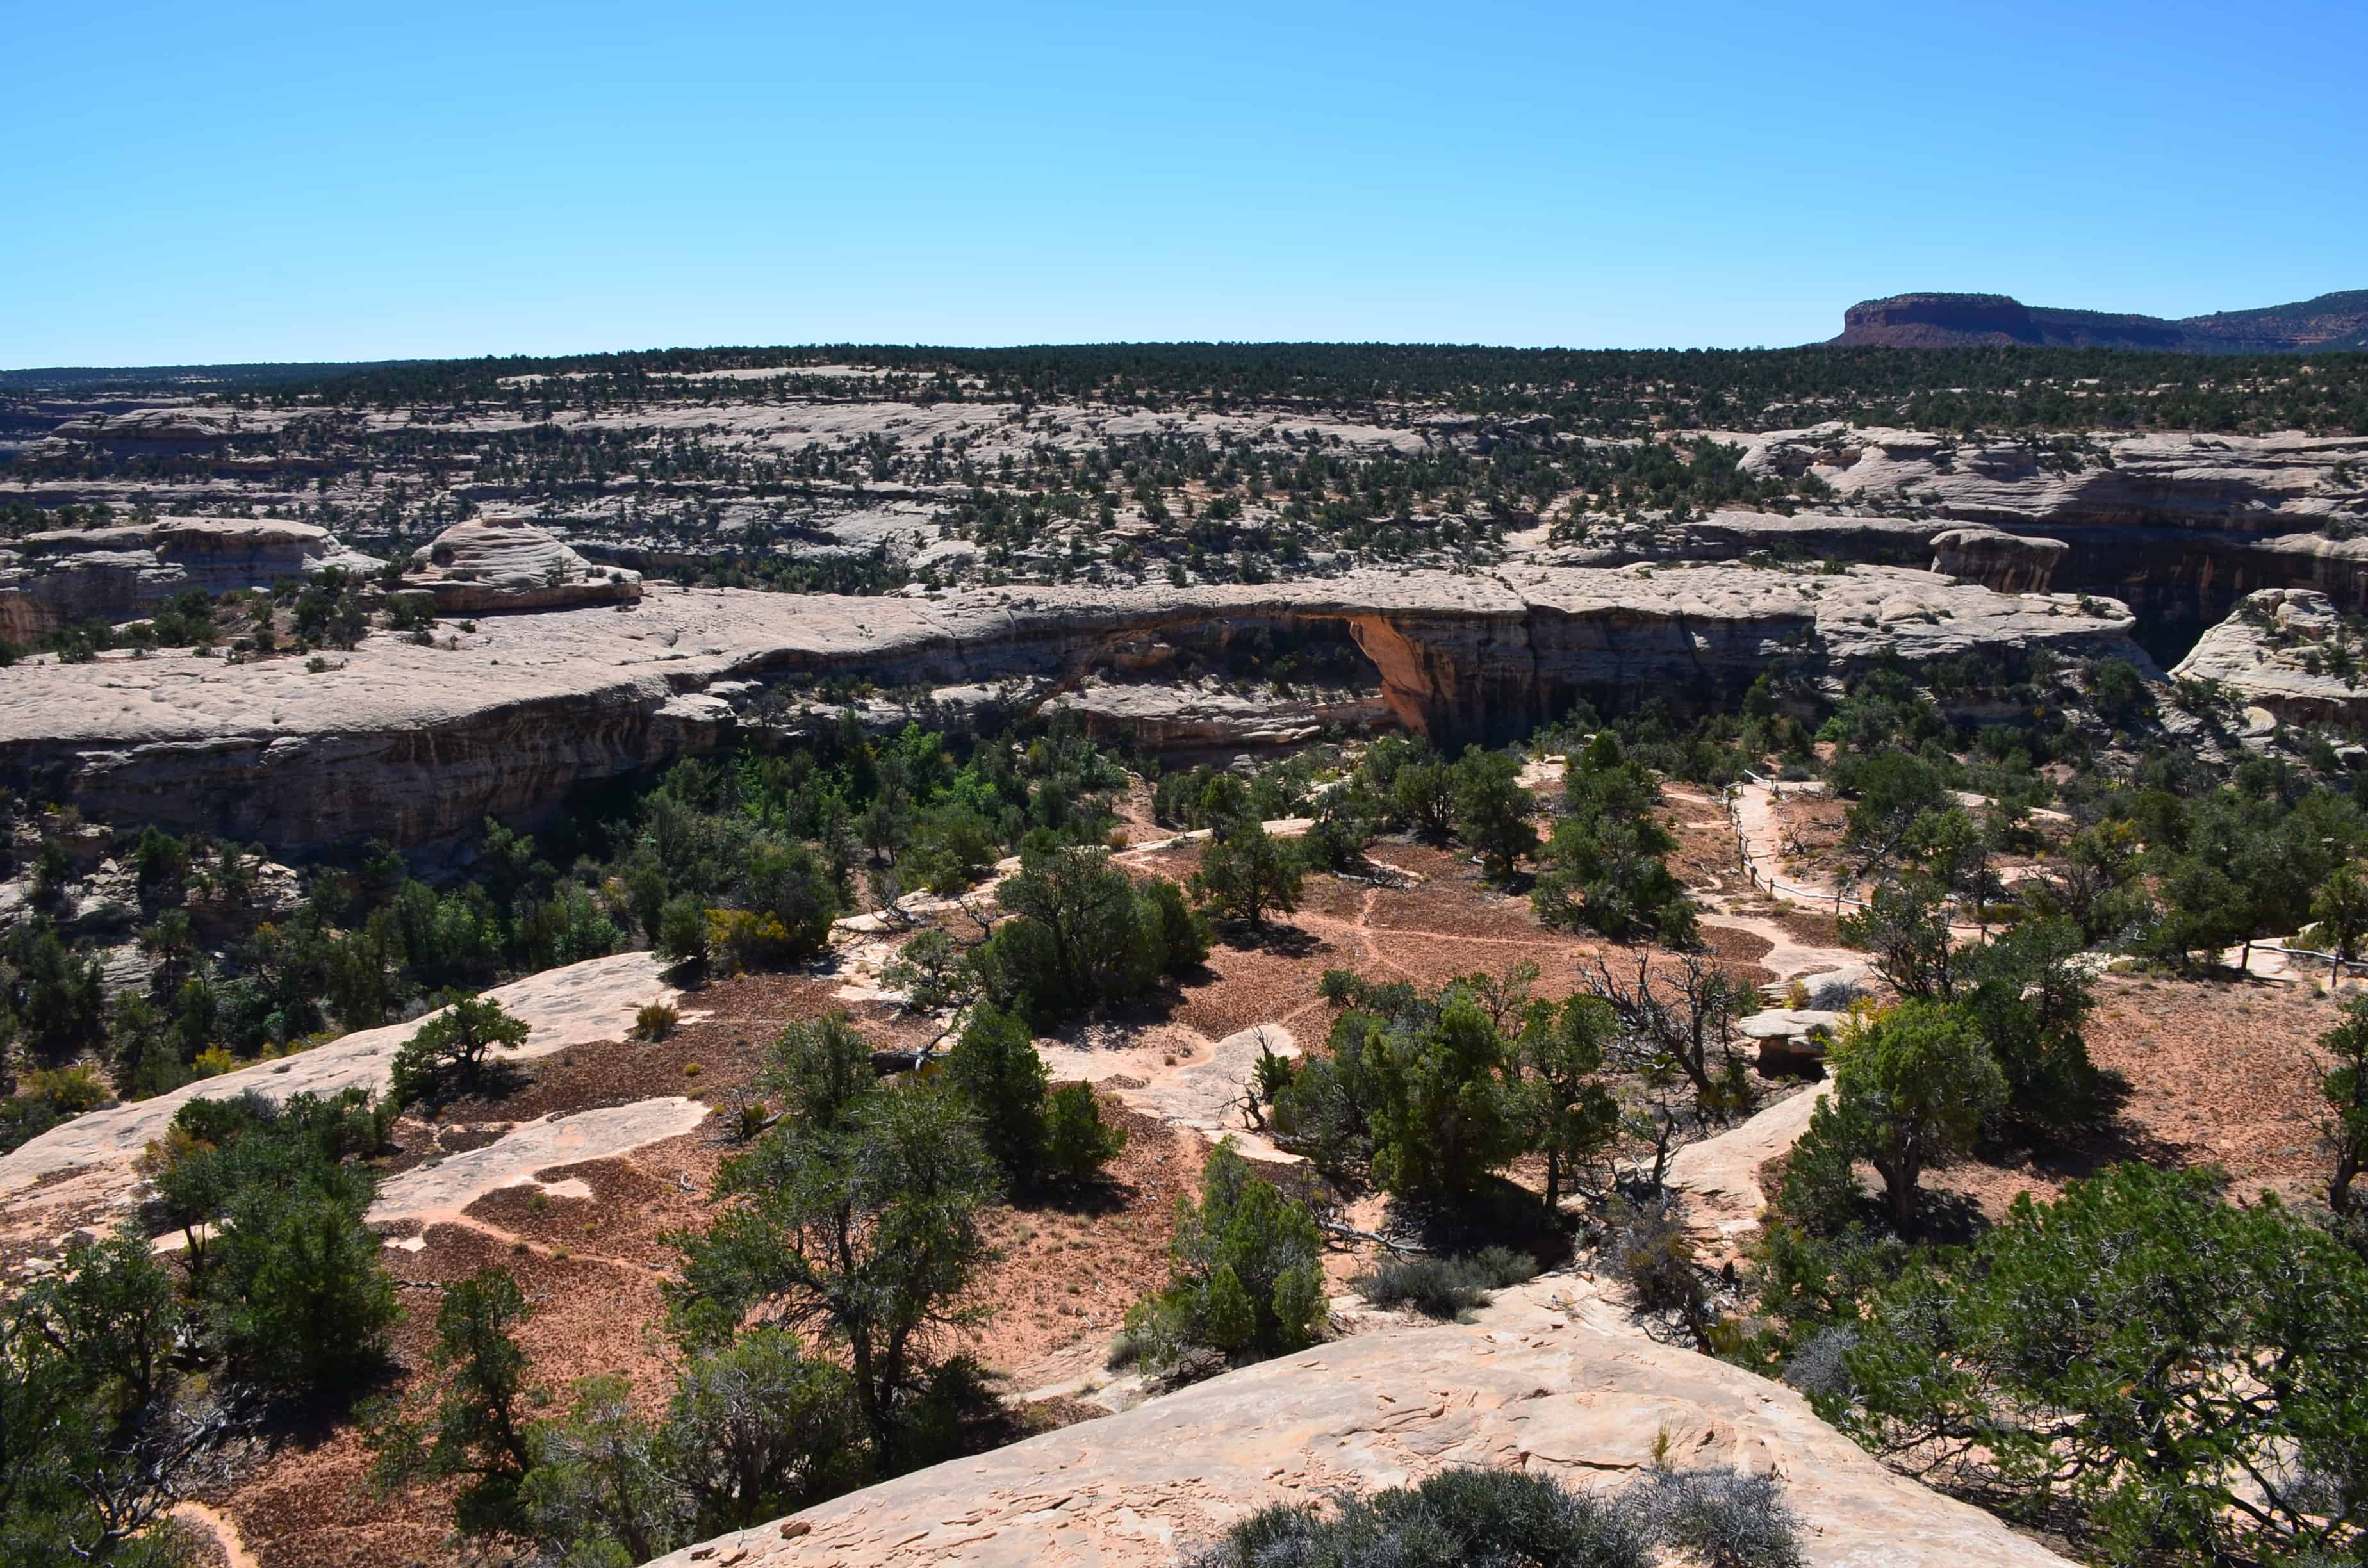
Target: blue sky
x=239 y=181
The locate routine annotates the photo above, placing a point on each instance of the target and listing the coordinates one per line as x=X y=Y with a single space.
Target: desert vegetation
x=1963 y=1028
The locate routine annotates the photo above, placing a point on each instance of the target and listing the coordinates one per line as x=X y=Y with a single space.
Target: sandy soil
x=2219 y=1073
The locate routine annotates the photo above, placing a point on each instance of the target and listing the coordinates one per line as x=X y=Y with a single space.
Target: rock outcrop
x=1209 y=716
x=1807 y=537
x=1998 y=561
x=1551 y=1377
x=491 y=565
x=147 y=428
x=417 y=745
x=2330 y=322
x=2178 y=527
x=2285 y=652
x=64 y=577
x=90 y=1161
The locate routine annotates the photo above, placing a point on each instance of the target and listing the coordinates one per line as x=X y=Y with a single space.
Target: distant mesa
x=2331 y=322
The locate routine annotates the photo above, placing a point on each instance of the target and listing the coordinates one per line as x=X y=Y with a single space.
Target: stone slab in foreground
x=1546 y=1380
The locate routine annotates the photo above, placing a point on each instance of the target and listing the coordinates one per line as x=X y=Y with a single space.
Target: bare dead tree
x=1679 y=1016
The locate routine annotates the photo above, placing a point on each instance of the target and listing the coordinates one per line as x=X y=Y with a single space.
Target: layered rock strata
x=491 y=565
x=416 y=744
x=2005 y=562
x=64 y=577
x=2286 y=651
x=2179 y=527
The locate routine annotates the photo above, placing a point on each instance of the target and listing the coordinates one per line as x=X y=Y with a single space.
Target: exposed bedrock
x=1550 y=1379
x=2001 y=561
x=417 y=745
x=2178 y=527
x=64 y=577
x=2286 y=651
x=493 y=564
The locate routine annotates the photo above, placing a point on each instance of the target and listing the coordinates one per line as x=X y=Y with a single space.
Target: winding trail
x=218 y=1530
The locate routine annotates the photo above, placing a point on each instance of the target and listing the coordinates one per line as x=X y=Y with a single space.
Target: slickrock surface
x=417 y=745
x=1720 y=1176
x=428 y=1193
x=2280 y=653
x=90 y=1159
x=2262 y=485
x=506 y=564
x=1549 y=1378
x=2189 y=519
x=62 y=577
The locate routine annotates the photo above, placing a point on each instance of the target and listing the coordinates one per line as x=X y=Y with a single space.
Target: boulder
x=1791 y=1039
x=491 y=565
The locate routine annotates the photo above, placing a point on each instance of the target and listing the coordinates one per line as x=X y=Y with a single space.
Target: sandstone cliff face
x=491 y=564
x=2179 y=527
x=61 y=578
x=1950 y=321
x=1549 y=1378
x=419 y=744
x=2284 y=652
x=2001 y=561
x=1208 y=717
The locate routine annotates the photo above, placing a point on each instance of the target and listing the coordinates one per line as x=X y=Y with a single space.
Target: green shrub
x=820 y=1069
x=1077 y=1142
x=681 y=933
x=863 y=1226
x=477 y=1431
x=449 y=1053
x=1245 y=872
x=1083 y=935
x=2135 y=1353
x=68 y=1091
x=1456 y=1519
x=1245 y=1273
x=995 y=1066
x=1445 y=1287
x=1506 y=1518
x=300 y=1302
x=1492 y=809
x=930 y=969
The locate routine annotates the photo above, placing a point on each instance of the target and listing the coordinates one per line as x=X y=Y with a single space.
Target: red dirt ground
x=2219 y=1073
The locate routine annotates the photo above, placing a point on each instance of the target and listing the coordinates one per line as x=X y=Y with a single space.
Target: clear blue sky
x=237 y=181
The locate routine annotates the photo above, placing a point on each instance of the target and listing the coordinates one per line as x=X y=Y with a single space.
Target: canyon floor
x=363 y=627
x=2215 y=1072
